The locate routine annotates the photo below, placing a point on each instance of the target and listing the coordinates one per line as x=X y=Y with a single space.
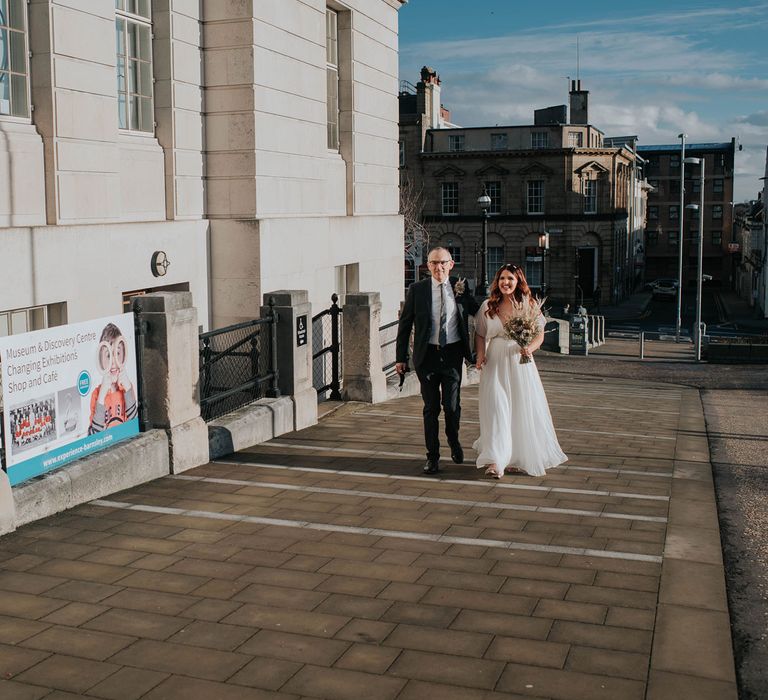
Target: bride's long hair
x=522 y=290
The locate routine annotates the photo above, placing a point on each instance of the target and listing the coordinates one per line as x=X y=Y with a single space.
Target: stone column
x=362 y=377
x=294 y=352
x=7 y=508
x=171 y=371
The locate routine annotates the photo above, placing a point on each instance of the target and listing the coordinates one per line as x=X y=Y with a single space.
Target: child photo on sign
x=114 y=401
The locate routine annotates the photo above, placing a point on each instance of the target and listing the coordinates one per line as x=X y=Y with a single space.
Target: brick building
x=556 y=176
x=662 y=169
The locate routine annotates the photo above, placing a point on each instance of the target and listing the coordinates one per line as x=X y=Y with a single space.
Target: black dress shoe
x=457 y=453
x=431 y=467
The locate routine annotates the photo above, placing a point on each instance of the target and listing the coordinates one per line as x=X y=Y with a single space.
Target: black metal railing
x=140 y=330
x=238 y=365
x=388 y=342
x=736 y=350
x=326 y=351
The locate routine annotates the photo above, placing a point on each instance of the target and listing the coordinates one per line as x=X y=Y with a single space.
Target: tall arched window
x=133 y=44
x=14 y=68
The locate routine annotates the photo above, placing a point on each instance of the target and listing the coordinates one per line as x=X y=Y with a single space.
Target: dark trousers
x=440 y=379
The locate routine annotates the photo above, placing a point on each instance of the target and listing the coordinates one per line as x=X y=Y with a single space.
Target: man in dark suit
x=437 y=308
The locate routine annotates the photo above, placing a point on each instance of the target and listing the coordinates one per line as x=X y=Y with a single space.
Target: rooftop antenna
x=577 y=58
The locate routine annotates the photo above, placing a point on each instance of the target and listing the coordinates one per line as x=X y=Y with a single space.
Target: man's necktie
x=443 y=334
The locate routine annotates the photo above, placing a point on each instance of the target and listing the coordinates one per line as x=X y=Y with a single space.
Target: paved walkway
x=324 y=565
x=733 y=309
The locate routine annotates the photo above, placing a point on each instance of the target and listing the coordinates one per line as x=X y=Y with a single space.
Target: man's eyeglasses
x=438 y=262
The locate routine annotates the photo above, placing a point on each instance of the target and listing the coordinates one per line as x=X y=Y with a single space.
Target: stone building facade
x=226 y=148
x=556 y=176
x=662 y=232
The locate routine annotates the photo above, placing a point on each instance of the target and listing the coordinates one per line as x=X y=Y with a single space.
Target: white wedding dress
x=515 y=423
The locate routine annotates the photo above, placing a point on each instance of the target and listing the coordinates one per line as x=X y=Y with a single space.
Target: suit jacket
x=417 y=315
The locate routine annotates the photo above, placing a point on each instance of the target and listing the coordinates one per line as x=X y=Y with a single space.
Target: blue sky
x=653 y=69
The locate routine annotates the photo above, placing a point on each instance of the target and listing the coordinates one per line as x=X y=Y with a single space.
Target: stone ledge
x=127 y=464
x=692 y=643
x=250 y=425
x=7 y=509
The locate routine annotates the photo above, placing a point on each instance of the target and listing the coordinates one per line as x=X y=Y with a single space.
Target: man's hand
x=400 y=367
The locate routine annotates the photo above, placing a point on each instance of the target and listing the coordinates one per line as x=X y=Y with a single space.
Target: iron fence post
x=254 y=359
x=274 y=391
x=140 y=326
x=335 y=394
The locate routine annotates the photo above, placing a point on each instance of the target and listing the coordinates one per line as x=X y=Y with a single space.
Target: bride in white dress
x=516 y=431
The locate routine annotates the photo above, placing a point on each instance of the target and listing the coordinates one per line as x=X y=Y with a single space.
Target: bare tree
x=411 y=207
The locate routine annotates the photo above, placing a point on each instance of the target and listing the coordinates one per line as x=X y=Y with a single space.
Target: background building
x=555 y=176
x=751 y=236
x=662 y=170
x=222 y=148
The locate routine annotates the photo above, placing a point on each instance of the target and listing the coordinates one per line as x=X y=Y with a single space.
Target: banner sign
x=67 y=392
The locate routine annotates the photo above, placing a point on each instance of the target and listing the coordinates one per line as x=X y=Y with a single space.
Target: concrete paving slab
x=325 y=564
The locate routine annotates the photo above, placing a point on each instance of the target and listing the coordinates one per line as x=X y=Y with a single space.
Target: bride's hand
x=480 y=362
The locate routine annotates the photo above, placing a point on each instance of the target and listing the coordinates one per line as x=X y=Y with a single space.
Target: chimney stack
x=579 y=103
x=428 y=97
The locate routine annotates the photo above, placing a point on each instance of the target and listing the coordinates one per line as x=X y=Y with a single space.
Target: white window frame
x=590 y=196
x=455 y=251
x=456 y=142
x=534 y=269
x=539 y=139
x=449 y=198
x=717 y=211
x=14 y=64
x=497 y=252
x=35 y=318
x=134 y=66
x=493 y=190
x=332 y=78
x=499 y=142
x=575 y=139
x=535 y=196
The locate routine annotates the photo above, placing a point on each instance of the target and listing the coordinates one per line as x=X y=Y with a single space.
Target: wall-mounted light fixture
x=160 y=263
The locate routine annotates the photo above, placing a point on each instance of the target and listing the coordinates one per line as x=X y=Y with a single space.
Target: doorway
x=586 y=272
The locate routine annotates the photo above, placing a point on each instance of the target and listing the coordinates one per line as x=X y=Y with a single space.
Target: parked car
x=664 y=289
x=648 y=286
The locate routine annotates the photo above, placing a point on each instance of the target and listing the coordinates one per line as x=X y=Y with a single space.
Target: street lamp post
x=484 y=202
x=544 y=246
x=700 y=271
x=678 y=321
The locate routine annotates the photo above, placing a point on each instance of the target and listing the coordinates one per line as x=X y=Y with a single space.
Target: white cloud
x=670 y=19
x=630 y=52
x=712 y=81
x=759 y=119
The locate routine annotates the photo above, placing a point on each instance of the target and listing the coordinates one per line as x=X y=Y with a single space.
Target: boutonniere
x=460 y=287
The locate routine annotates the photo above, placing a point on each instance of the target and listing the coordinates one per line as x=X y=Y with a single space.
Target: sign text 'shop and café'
x=67 y=391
